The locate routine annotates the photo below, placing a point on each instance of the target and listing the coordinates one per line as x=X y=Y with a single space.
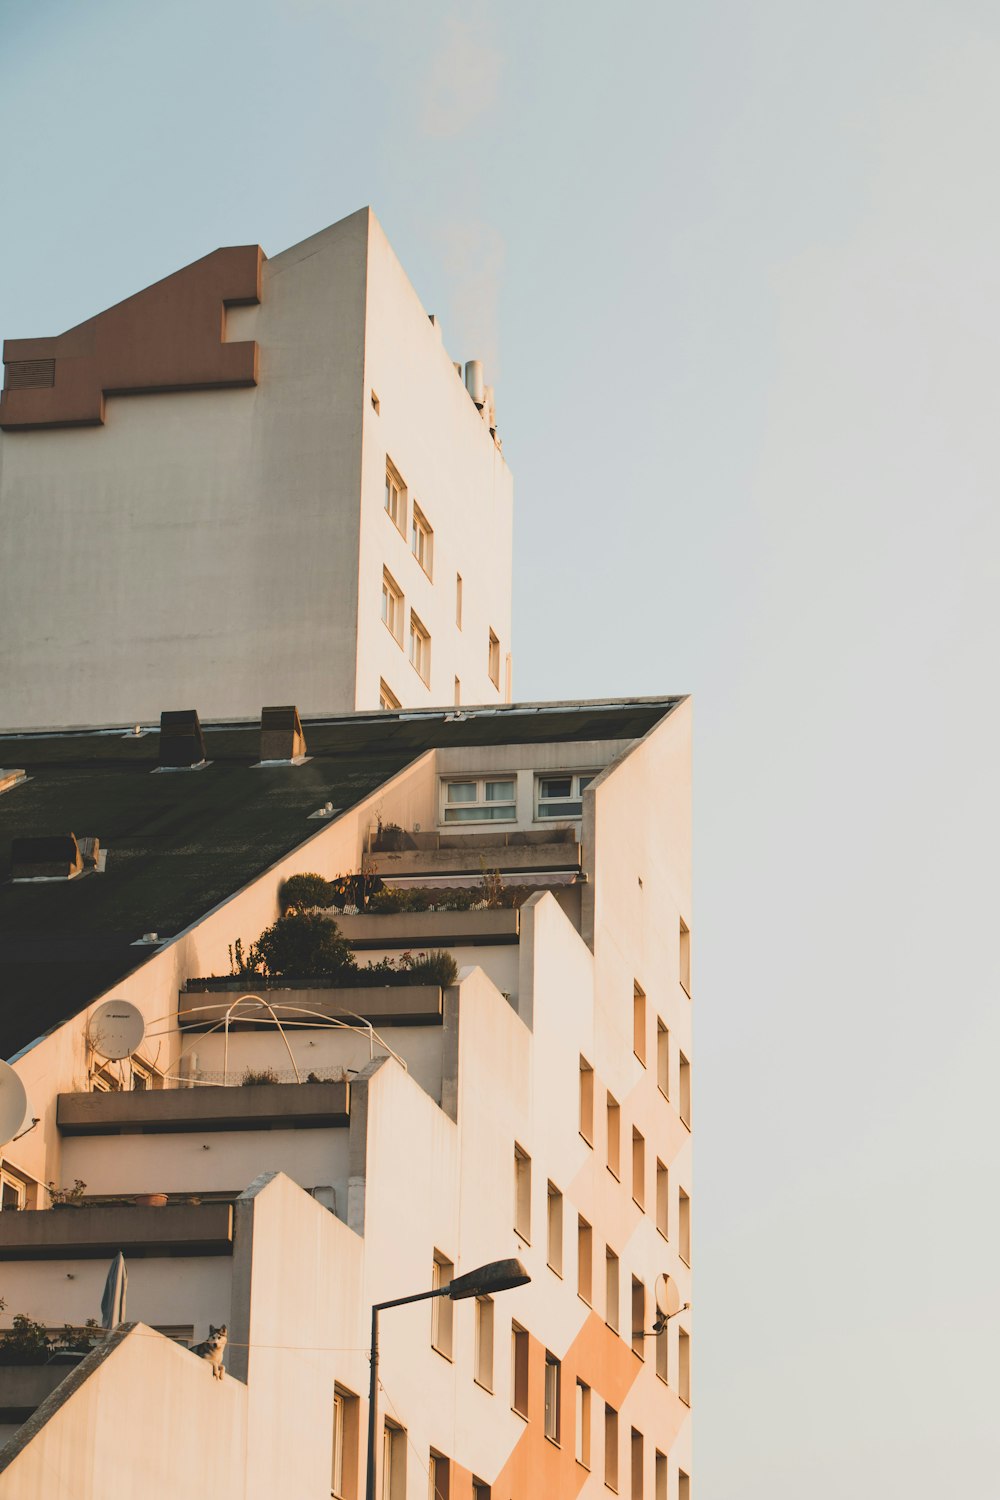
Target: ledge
x=158 y=1111
x=87 y=1233
x=471 y=860
x=382 y=1005
x=430 y=928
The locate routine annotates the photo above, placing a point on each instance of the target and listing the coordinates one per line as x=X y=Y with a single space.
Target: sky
x=733 y=270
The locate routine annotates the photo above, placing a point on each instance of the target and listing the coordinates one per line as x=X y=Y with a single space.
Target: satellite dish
x=668 y=1298
x=13 y=1103
x=116 y=1028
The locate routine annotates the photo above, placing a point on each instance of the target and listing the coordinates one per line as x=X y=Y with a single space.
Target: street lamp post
x=498 y=1276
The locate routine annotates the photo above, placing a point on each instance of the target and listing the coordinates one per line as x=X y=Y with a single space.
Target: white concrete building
x=536 y=1104
x=257 y=481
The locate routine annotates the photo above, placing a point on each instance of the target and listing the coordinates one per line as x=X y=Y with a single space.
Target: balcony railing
x=212 y=1107
x=89 y=1231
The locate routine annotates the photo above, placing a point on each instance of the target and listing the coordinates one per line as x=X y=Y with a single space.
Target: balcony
x=91 y=1231
x=431 y=929
x=291 y=1000
x=23 y=1388
x=164 y=1111
x=471 y=853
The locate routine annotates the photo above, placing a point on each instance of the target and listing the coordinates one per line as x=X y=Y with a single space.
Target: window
x=582 y=1436
x=458 y=600
x=442 y=1308
x=553 y=1392
x=392 y=607
x=519 y=1369
x=610 y=1447
x=639 y=1022
x=554 y=1252
x=638 y=1169
x=662 y=1059
x=662 y=1346
x=480 y=1490
x=636 y=1464
x=494 y=659
x=660 y=1489
x=685 y=958
x=611 y=1310
x=438 y=1477
x=420 y=648
x=486 y=800
x=614 y=1136
x=13 y=1194
x=395 y=498
x=685 y=1070
x=684 y=1367
x=376 y=404
x=386 y=697
x=422 y=540
x=684 y=1226
x=393 y=1462
x=484 y=1342
x=662 y=1199
x=522 y=1193
x=584 y=1260
x=458 y=692
x=638 y=1318
x=561 y=796
x=683 y=1486
x=344 y=1470
x=586 y=1101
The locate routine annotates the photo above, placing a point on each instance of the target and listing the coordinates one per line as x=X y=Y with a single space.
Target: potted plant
x=151 y=1200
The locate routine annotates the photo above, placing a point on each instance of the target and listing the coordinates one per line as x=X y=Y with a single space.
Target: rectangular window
x=636 y=1463
x=458 y=693
x=685 y=958
x=420 y=649
x=553 y=1393
x=422 y=540
x=442 y=1308
x=685 y=1072
x=392 y=607
x=494 y=660
x=662 y=1059
x=438 y=1477
x=386 y=697
x=458 y=600
x=561 y=796
x=344 y=1474
x=376 y=404
x=683 y=1486
x=662 y=1345
x=582 y=1435
x=337 y=1466
x=393 y=1462
x=611 y=1295
x=660 y=1491
x=522 y=1193
x=638 y=1169
x=13 y=1194
x=662 y=1199
x=584 y=1260
x=684 y=1226
x=480 y=1490
x=639 y=1022
x=638 y=1318
x=586 y=1101
x=554 y=1252
x=486 y=799
x=484 y=1342
x=395 y=497
x=614 y=1136
x=611 y=1447
x=519 y=1369
x=684 y=1367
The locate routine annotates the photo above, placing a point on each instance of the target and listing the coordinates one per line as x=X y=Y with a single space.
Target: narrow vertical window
x=344 y=1467
x=481 y=1490
x=636 y=1464
x=684 y=1367
x=420 y=648
x=458 y=600
x=586 y=1101
x=611 y=1448
x=685 y=958
x=393 y=1462
x=484 y=1342
x=395 y=497
x=582 y=1436
x=638 y=1318
x=439 y=1477
x=337 y=1467
x=386 y=697
x=458 y=692
x=519 y=1369
x=685 y=1081
x=522 y=1193
x=584 y=1260
x=662 y=1059
x=442 y=1308
x=611 y=1296
x=494 y=659
x=662 y=1199
x=638 y=1169
x=683 y=1486
x=554 y=1227
x=662 y=1345
x=392 y=606
x=684 y=1226
x=553 y=1395
x=614 y=1136
x=422 y=540
x=639 y=1022
x=660 y=1490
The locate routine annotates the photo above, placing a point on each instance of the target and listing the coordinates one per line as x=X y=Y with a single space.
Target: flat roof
x=179 y=843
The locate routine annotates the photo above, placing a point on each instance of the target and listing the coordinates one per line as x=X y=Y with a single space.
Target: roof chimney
x=474 y=381
x=182 y=743
x=281 y=736
x=54 y=857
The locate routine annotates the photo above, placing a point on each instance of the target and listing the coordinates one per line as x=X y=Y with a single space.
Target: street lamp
x=497 y=1276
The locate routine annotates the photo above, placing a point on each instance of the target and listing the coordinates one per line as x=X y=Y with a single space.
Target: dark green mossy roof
x=179 y=842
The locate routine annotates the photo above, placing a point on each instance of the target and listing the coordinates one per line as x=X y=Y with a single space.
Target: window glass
x=461 y=791
x=499 y=791
x=557 y=786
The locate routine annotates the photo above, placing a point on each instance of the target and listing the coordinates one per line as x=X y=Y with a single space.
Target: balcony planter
x=151 y=1200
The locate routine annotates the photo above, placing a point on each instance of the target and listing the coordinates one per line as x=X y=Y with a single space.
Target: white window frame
x=567 y=808
x=422 y=540
x=387 y=699
x=395 y=496
x=420 y=648
x=17 y=1186
x=393 y=606
x=480 y=804
x=337 y=1463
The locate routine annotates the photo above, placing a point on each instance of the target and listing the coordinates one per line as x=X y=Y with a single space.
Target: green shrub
x=24 y=1344
x=387 y=901
x=303 y=945
x=299 y=892
x=252 y=1076
x=436 y=967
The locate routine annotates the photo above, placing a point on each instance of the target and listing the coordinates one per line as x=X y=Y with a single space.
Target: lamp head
x=497 y=1276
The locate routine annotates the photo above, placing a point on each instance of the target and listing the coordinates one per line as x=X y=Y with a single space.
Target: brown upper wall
x=168 y=337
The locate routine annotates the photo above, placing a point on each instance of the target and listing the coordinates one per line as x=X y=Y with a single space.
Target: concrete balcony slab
x=98 y=1230
x=243 y=1107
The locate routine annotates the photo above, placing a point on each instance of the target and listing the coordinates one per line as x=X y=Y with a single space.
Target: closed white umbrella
x=113 y=1301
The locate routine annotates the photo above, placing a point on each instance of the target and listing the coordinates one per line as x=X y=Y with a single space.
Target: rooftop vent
x=58 y=856
x=281 y=736
x=182 y=743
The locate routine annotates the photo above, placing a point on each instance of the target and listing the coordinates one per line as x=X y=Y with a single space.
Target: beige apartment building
x=277 y=1154
x=260 y=480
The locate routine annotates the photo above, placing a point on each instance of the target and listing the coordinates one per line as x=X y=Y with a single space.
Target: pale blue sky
x=734 y=269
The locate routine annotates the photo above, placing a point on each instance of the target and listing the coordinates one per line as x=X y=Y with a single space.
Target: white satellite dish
x=13 y=1103
x=116 y=1028
x=668 y=1298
